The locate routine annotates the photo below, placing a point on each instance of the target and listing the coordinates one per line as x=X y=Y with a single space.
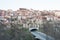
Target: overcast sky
x=34 y=4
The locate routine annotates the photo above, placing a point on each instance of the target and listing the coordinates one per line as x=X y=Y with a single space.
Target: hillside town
x=19 y=21
x=27 y=16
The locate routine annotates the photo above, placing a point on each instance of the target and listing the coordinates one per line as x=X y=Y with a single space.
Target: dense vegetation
x=14 y=33
x=51 y=28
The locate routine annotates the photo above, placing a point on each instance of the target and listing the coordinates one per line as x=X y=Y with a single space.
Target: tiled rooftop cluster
x=27 y=16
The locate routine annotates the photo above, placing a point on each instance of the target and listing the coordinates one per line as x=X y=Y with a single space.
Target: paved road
x=41 y=35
